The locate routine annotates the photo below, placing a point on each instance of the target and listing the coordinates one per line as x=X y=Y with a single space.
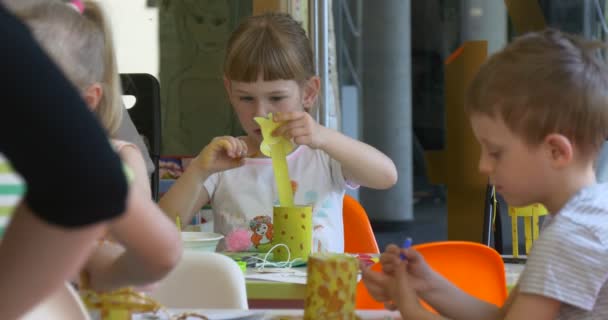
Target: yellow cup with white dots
x=293 y=228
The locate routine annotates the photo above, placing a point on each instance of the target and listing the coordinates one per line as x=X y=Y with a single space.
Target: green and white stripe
x=12 y=189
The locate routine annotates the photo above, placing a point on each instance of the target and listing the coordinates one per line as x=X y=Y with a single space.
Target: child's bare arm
x=507 y=305
x=46 y=254
x=108 y=266
x=454 y=303
x=532 y=306
x=133 y=158
x=361 y=163
x=151 y=241
x=188 y=193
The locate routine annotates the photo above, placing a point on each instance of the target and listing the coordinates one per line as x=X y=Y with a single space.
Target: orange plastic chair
x=475 y=268
x=358 y=234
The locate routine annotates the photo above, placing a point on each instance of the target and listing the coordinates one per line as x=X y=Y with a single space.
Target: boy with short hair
x=539 y=109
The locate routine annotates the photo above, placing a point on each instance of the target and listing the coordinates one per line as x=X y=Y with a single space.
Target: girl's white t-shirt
x=242 y=200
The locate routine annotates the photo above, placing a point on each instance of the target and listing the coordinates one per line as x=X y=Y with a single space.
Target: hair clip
x=77 y=5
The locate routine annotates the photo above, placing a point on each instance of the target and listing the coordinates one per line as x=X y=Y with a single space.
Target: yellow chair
x=530 y=215
x=493 y=223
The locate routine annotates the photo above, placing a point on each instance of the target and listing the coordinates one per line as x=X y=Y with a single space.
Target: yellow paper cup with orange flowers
x=331 y=286
x=293 y=228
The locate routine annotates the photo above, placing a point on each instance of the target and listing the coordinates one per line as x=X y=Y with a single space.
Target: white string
x=288 y=264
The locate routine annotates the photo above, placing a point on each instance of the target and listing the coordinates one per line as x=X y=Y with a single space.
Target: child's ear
x=310 y=92
x=561 y=150
x=92 y=95
x=228 y=87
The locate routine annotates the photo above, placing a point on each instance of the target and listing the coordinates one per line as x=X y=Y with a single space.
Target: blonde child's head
x=272 y=46
x=546 y=82
x=269 y=68
x=81 y=44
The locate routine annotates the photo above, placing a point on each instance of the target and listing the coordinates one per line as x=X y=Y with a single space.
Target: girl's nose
x=260 y=109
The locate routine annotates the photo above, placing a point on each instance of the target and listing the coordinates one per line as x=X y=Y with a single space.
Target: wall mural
x=193 y=36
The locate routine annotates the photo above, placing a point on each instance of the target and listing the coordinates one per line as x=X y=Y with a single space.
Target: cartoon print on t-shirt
x=261 y=226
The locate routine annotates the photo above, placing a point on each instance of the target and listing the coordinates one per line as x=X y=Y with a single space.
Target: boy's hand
x=405 y=294
x=419 y=271
x=300 y=127
x=222 y=153
x=396 y=290
x=377 y=283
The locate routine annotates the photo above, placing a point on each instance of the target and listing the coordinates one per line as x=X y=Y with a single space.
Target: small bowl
x=201 y=241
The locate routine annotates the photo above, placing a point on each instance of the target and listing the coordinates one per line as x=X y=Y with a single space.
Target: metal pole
x=313 y=34
x=319 y=37
x=324 y=61
x=314 y=31
x=387 y=104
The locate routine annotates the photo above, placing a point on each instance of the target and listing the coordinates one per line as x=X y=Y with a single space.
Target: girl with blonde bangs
x=269 y=68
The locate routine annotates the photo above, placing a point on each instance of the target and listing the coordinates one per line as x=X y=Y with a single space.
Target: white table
x=512 y=272
x=266 y=294
x=265 y=315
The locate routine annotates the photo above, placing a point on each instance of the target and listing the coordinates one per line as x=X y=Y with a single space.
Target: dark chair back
x=145 y=115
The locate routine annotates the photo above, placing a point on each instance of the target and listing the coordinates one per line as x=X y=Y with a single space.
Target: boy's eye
x=245 y=98
x=276 y=99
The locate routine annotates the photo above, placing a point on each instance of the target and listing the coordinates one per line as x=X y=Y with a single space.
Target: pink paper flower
x=238 y=240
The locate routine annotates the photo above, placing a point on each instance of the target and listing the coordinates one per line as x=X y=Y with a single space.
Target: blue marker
x=406 y=245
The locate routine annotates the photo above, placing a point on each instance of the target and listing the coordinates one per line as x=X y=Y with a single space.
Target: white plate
x=201 y=241
x=234 y=315
x=214 y=315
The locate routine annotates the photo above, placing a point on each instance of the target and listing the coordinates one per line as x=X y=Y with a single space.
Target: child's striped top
x=12 y=189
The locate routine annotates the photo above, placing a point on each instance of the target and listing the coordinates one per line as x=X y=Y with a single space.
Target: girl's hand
x=222 y=153
x=420 y=273
x=300 y=127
